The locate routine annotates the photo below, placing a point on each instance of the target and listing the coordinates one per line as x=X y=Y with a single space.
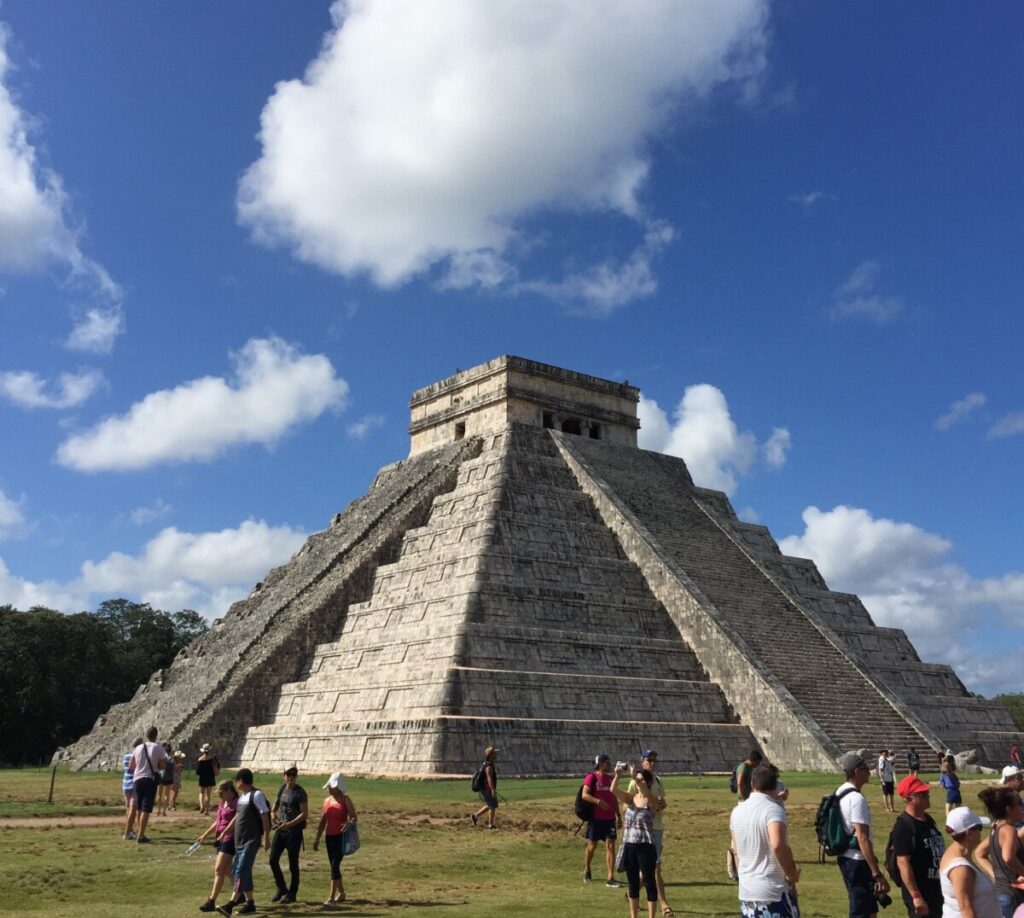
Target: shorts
x=601 y=830
x=888 y=788
x=659 y=842
x=786 y=907
x=953 y=796
x=145 y=794
x=859 y=886
x=227 y=846
x=488 y=798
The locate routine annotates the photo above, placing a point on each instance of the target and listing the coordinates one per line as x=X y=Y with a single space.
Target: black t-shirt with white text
x=922 y=842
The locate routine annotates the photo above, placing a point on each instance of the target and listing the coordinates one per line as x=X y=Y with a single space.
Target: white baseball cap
x=1011 y=771
x=962 y=819
x=335 y=780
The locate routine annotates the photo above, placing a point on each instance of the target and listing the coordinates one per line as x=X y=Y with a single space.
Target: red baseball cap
x=911 y=785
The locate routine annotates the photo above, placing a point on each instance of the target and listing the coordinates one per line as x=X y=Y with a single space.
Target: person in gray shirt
x=290 y=812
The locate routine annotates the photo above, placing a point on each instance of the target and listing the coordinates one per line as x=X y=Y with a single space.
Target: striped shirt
x=128 y=781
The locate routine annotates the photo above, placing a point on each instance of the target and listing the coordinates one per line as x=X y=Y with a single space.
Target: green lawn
x=419 y=854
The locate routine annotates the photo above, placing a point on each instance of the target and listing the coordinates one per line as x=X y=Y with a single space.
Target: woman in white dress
x=967 y=891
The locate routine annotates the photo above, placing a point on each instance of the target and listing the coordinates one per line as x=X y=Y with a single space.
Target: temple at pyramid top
x=513 y=390
x=529 y=578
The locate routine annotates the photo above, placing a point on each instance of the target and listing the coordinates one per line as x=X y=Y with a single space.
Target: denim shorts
x=860 y=886
x=488 y=798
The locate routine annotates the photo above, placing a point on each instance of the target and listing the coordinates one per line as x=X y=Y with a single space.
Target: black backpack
x=479 y=782
x=829 y=827
x=584 y=808
x=734 y=785
x=891 y=864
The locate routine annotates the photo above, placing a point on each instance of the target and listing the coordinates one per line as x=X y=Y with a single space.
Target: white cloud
x=808 y=199
x=858 y=297
x=204 y=571
x=704 y=435
x=362 y=428
x=35 y=230
x=776 y=447
x=154 y=511
x=12 y=519
x=95 y=330
x=961 y=410
x=1009 y=425
x=604 y=287
x=30 y=390
x=426 y=131
x=274 y=387
x=904 y=576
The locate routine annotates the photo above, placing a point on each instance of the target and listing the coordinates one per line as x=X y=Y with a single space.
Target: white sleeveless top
x=984 y=899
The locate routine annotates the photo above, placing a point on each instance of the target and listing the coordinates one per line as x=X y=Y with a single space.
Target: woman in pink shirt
x=223 y=840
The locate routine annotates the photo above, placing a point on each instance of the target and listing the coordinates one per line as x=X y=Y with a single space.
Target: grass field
x=419 y=854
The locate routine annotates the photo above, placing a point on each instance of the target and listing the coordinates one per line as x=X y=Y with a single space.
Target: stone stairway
x=510 y=616
x=823 y=680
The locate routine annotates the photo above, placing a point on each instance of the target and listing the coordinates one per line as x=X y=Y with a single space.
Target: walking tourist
x=601 y=828
x=338 y=815
x=918 y=846
x=858 y=864
x=768 y=874
x=489 y=790
x=252 y=821
x=207 y=769
x=967 y=891
x=165 y=781
x=128 y=789
x=1014 y=755
x=913 y=762
x=179 y=766
x=146 y=762
x=639 y=852
x=950 y=781
x=649 y=763
x=741 y=780
x=291 y=810
x=1003 y=847
x=887 y=779
x=223 y=831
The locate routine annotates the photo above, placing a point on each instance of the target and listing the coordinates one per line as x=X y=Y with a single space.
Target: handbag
x=620 y=858
x=350 y=840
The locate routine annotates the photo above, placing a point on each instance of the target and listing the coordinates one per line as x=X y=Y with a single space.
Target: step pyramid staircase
x=528 y=578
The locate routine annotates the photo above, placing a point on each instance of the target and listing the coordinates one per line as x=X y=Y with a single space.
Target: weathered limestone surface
x=229 y=678
x=528 y=578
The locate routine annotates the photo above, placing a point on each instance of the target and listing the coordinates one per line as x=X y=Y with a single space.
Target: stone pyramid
x=529 y=578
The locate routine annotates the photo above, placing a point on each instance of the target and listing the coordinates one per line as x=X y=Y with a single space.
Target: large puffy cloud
x=30 y=390
x=204 y=571
x=703 y=434
x=426 y=131
x=273 y=389
x=905 y=578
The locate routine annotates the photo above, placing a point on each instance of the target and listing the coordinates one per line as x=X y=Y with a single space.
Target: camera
x=884 y=899
x=621 y=766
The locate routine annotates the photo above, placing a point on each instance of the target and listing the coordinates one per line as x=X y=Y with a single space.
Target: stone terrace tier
x=511 y=617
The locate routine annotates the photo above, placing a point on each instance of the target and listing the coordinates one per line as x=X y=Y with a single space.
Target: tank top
x=984 y=900
x=637 y=825
x=1003 y=875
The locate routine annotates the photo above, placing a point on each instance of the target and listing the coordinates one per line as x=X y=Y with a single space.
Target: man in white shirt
x=887 y=778
x=147 y=760
x=858 y=864
x=768 y=874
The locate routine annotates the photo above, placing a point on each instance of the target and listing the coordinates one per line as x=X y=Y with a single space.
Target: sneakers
x=612 y=882
x=492 y=828
x=586 y=876
x=279 y=895
x=287 y=898
x=144 y=840
x=128 y=836
x=225 y=909
x=208 y=906
x=330 y=903
x=248 y=908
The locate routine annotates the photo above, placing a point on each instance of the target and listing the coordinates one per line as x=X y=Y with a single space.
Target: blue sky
x=235 y=237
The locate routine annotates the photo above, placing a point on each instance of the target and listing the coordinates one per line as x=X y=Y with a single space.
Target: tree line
x=59 y=672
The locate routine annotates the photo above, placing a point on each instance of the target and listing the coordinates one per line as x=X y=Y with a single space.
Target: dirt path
x=59 y=822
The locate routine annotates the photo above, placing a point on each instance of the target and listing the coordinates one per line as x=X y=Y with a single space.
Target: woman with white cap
x=967 y=891
x=338 y=814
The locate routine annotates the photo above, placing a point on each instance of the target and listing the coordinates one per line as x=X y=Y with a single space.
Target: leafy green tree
x=1013 y=703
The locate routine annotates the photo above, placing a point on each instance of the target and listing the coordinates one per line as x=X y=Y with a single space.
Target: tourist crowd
x=978 y=874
